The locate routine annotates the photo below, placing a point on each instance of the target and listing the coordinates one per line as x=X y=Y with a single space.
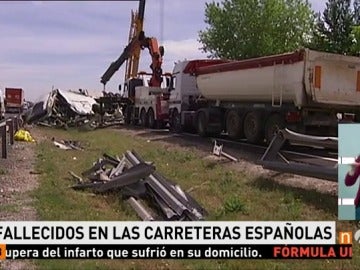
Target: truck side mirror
x=120 y=87
x=171 y=84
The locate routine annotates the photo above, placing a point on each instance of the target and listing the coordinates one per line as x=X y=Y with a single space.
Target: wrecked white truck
x=61 y=108
x=69 y=108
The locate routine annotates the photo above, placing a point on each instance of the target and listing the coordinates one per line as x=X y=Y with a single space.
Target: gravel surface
x=17 y=180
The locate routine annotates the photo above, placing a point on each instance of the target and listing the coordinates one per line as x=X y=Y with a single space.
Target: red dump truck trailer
x=14 y=99
x=307 y=91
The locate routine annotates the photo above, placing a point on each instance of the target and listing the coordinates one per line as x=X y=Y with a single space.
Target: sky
x=70 y=44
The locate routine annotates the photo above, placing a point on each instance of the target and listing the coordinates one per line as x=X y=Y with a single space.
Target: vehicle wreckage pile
x=72 y=109
x=150 y=194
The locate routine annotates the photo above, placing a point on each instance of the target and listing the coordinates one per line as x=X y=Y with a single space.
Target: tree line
x=241 y=29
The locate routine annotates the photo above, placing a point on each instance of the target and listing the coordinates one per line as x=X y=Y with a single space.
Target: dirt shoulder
x=17 y=180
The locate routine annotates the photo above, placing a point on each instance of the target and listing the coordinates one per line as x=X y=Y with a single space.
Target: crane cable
x=161 y=2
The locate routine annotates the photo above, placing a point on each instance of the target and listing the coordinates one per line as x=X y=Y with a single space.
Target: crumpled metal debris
x=66 y=109
x=218 y=151
x=67 y=145
x=151 y=195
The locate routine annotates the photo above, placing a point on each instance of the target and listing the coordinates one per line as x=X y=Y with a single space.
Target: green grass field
x=226 y=194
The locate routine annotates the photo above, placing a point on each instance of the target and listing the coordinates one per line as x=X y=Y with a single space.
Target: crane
x=136 y=27
x=131 y=54
x=132 y=50
x=156 y=110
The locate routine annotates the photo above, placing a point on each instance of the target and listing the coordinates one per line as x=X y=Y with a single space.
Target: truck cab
x=14 y=99
x=148 y=105
x=183 y=95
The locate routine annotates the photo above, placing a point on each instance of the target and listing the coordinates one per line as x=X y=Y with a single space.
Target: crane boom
x=136 y=27
x=118 y=63
x=142 y=42
x=131 y=52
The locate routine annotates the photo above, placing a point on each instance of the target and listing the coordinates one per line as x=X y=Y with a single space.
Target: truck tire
x=253 y=128
x=234 y=125
x=143 y=118
x=201 y=124
x=273 y=124
x=151 y=118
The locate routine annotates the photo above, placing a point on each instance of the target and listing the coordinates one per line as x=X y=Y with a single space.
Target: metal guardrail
x=308 y=140
x=8 y=127
x=274 y=159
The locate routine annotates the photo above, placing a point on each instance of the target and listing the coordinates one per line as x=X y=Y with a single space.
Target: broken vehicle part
x=67 y=145
x=217 y=150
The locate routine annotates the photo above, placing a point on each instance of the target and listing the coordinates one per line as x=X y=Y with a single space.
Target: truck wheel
x=234 y=125
x=253 y=129
x=151 y=118
x=201 y=124
x=143 y=121
x=273 y=124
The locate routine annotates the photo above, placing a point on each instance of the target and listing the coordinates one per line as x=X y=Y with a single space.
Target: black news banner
x=177 y=251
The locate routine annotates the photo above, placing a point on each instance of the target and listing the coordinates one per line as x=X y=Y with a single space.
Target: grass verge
x=226 y=194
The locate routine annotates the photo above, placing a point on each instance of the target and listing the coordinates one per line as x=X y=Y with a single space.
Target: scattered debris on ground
x=218 y=151
x=152 y=196
x=68 y=145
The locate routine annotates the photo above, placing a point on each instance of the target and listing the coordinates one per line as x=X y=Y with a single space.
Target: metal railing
x=320 y=167
x=8 y=128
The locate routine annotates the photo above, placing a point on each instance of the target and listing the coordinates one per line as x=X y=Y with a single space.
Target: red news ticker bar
x=313 y=252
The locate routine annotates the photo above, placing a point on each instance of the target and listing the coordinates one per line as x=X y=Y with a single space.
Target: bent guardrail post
x=218 y=151
x=3 y=140
x=10 y=123
x=270 y=159
x=16 y=123
x=274 y=147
